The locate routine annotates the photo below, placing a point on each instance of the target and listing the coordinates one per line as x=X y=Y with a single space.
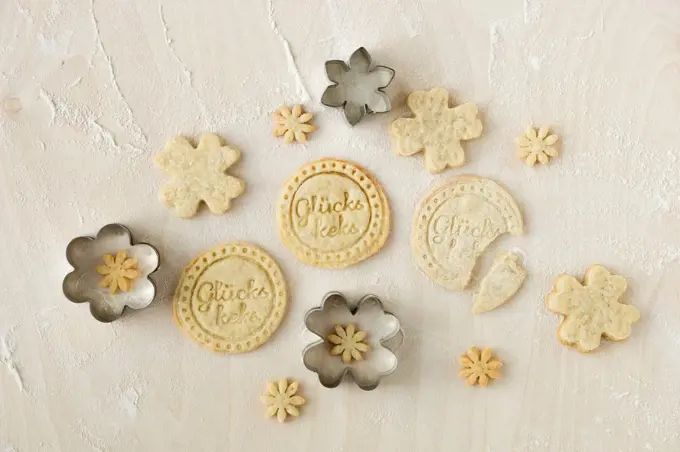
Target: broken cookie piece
x=504 y=279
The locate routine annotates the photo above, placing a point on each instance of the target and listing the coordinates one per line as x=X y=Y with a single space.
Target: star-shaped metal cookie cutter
x=357 y=87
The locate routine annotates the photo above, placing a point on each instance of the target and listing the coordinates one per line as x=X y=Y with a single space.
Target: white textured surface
x=104 y=84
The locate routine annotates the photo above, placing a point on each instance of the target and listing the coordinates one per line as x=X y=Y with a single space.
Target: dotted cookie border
x=182 y=302
x=489 y=189
x=369 y=244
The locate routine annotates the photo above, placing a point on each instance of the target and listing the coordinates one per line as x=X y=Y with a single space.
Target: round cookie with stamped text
x=456 y=222
x=333 y=214
x=231 y=298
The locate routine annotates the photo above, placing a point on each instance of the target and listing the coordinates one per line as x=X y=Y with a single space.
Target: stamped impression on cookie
x=333 y=214
x=456 y=222
x=231 y=298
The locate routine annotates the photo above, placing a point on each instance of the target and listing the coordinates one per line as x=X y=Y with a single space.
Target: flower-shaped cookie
x=118 y=272
x=282 y=399
x=383 y=335
x=293 y=124
x=436 y=129
x=479 y=367
x=357 y=88
x=83 y=284
x=592 y=309
x=349 y=343
x=198 y=175
x=536 y=146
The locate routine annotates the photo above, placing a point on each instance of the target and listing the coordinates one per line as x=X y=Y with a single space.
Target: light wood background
x=90 y=90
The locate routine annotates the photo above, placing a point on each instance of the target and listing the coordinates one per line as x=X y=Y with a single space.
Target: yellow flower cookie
x=282 y=399
x=118 y=273
x=500 y=284
x=479 y=367
x=349 y=343
x=293 y=124
x=231 y=299
x=536 y=147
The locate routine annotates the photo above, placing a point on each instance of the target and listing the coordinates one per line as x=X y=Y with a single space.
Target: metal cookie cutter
x=85 y=254
x=384 y=336
x=357 y=88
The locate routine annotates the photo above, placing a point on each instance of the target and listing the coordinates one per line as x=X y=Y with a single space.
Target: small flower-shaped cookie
x=436 y=129
x=118 y=272
x=198 y=175
x=536 y=147
x=281 y=399
x=591 y=310
x=292 y=125
x=479 y=367
x=357 y=88
x=348 y=342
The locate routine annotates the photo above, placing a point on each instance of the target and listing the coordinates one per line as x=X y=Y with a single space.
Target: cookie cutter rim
x=392 y=343
x=367 y=56
x=97 y=316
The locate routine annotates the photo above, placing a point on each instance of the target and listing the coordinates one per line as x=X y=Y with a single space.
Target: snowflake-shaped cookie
x=198 y=174
x=591 y=310
x=436 y=129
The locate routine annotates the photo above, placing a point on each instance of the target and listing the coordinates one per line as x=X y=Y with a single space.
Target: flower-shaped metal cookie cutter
x=384 y=335
x=83 y=283
x=357 y=88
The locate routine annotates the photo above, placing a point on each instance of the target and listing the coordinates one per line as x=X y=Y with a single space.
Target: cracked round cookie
x=456 y=222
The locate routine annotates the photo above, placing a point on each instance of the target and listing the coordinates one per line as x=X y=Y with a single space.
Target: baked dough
x=592 y=309
x=436 y=129
x=456 y=222
x=198 y=175
x=231 y=298
x=479 y=367
x=536 y=146
x=504 y=279
x=118 y=272
x=293 y=124
x=333 y=214
x=282 y=399
x=348 y=342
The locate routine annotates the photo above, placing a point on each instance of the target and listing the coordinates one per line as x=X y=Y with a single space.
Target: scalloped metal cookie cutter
x=82 y=284
x=384 y=334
